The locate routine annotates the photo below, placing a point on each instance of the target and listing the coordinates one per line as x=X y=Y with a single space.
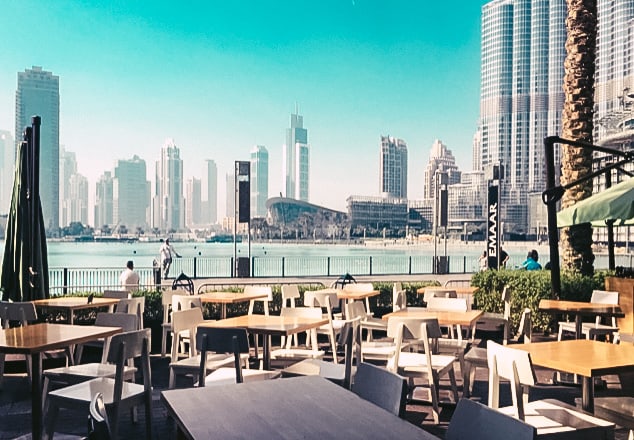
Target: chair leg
x=46 y=384
x=434 y=400
x=163 y=342
x=466 y=379
x=2 y=355
x=50 y=418
x=172 y=379
x=148 y=415
x=454 y=386
x=114 y=416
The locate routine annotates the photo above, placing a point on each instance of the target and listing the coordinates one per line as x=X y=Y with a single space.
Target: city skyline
x=226 y=78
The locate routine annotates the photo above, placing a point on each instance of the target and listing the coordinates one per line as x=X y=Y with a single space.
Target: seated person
x=531 y=261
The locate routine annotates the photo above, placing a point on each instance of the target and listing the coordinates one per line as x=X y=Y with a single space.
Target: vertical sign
x=493 y=230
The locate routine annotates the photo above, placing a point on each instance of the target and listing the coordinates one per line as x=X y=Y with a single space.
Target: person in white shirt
x=129 y=279
x=166 y=252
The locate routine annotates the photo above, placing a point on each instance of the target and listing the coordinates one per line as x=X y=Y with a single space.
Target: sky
x=220 y=77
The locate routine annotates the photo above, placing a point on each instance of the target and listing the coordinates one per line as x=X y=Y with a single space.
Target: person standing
x=129 y=279
x=483 y=260
x=166 y=251
x=504 y=257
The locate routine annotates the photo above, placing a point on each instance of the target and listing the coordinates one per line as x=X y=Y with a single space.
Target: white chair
x=118 y=395
x=515 y=366
x=135 y=306
x=120 y=294
x=449 y=304
x=166 y=326
x=80 y=373
x=427 y=365
x=361 y=288
x=592 y=330
x=399 y=297
x=291 y=354
x=438 y=292
x=477 y=356
x=290 y=293
x=325 y=302
x=183 y=323
x=491 y=320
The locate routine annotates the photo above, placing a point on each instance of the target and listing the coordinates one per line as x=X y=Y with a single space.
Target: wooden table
x=587 y=358
x=69 y=304
x=268 y=325
x=225 y=298
x=36 y=338
x=460 y=290
x=308 y=407
x=579 y=310
x=468 y=318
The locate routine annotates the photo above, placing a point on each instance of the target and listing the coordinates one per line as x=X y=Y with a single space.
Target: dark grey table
x=301 y=407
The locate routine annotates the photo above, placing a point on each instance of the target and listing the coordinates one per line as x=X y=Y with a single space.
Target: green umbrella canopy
x=615 y=203
x=25 y=264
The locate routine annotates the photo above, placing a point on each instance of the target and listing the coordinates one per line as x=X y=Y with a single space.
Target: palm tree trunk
x=577 y=124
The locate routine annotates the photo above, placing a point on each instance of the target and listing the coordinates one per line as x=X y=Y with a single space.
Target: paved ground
x=15 y=405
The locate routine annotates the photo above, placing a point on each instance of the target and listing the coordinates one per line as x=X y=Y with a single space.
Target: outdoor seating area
x=409 y=380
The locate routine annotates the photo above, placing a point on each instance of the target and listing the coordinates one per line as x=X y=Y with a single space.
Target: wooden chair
x=135 y=306
x=593 y=330
x=226 y=340
x=474 y=421
x=427 y=365
x=82 y=372
x=120 y=294
x=118 y=394
x=476 y=357
x=325 y=301
x=187 y=321
x=350 y=339
x=98 y=425
x=552 y=418
x=381 y=387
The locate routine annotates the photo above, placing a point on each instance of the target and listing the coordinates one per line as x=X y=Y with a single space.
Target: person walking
x=166 y=251
x=129 y=279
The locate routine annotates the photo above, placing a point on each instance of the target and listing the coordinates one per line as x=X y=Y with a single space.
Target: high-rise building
x=77 y=201
x=130 y=194
x=169 y=204
x=393 y=167
x=104 y=200
x=296 y=160
x=38 y=94
x=259 y=180
x=67 y=169
x=521 y=81
x=210 y=215
x=7 y=169
x=230 y=211
x=193 y=202
x=440 y=160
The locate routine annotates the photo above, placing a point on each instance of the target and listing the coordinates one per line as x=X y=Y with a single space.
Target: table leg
x=266 y=355
x=223 y=311
x=578 y=333
x=587 y=394
x=36 y=395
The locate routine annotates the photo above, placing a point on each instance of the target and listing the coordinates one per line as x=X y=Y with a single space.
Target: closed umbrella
x=25 y=264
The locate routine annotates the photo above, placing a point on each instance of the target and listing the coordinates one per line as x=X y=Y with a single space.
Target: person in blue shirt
x=531 y=261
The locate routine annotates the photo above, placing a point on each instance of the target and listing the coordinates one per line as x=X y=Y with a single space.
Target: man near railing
x=166 y=251
x=129 y=279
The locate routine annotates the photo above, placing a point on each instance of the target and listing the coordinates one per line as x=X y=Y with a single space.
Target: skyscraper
x=67 y=169
x=296 y=160
x=393 y=167
x=7 y=169
x=77 y=201
x=38 y=94
x=193 y=203
x=211 y=204
x=259 y=180
x=104 y=200
x=169 y=204
x=521 y=81
x=440 y=159
x=130 y=193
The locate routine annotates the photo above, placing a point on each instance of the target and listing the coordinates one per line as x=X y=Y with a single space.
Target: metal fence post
x=328 y=268
x=370 y=266
x=195 y=268
x=65 y=277
x=409 y=270
x=283 y=264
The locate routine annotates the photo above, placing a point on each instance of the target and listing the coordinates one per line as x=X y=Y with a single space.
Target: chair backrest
x=183 y=302
x=605 y=297
x=425 y=330
x=447 y=304
x=350 y=339
x=513 y=365
x=397 y=286
x=134 y=306
x=320 y=299
x=506 y=299
x=290 y=292
x=98 y=426
x=264 y=290
x=399 y=298
x=439 y=293
x=457 y=283
x=116 y=294
x=221 y=340
x=356 y=310
x=381 y=387
x=127 y=321
x=525 y=328
x=126 y=346
x=18 y=312
x=185 y=320
x=303 y=312
x=473 y=421
x=166 y=302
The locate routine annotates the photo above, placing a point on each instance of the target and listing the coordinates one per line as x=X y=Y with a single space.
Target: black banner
x=493 y=231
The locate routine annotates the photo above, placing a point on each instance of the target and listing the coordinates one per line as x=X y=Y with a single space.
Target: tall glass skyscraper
x=520 y=102
x=211 y=205
x=393 y=167
x=131 y=193
x=169 y=205
x=38 y=94
x=259 y=180
x=296 y=160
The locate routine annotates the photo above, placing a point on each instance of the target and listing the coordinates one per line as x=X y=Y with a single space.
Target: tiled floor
x=15 y=407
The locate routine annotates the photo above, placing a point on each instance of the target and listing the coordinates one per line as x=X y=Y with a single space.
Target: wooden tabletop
x=460 y=290
x=268 y=324
x=75 y=302
x=582 y=356
x=229 y=297
x=580 y=308
x=467 y=318
x=36 y=338
x=303 y=407
x=353 y=295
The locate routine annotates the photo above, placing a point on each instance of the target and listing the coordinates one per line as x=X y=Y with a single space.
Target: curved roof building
x=286 y=210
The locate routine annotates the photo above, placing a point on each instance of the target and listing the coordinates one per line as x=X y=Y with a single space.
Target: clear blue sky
x=222 y=76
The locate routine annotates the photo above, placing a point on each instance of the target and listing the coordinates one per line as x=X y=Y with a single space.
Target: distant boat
x=115 y=239
x=223 y=238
